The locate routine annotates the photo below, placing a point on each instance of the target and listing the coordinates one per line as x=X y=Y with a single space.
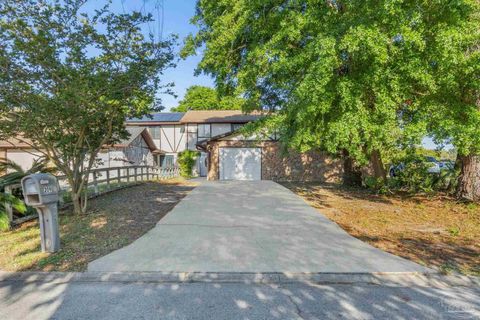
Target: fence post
x=95 y=183
x=128 y=174
x=8 y=207
x=108 y=179
x=135 y=173
x=148 y=173
x=119 y=176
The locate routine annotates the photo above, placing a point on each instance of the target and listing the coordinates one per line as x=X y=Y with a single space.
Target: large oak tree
x=357 y=78
x=68 y=80
x=343 y=76
x=453 y=108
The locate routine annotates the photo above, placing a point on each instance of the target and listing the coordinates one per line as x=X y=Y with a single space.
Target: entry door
x=240 y=163
x=202 y=164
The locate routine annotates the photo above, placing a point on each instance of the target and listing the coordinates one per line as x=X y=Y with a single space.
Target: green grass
x=113 y=220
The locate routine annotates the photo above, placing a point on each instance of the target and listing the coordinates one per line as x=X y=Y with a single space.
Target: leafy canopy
x=342 y=75
x=205 y=98
x=453 y=109
x=68 y=79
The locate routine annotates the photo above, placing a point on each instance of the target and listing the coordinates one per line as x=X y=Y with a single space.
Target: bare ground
x=435 y=231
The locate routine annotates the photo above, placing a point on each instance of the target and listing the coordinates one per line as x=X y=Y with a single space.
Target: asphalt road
x=120 y=300
x=248 y=226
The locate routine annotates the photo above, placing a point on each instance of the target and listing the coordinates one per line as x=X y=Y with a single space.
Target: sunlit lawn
x=113 y=221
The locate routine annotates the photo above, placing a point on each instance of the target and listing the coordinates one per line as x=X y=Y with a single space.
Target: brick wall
x=294 y=166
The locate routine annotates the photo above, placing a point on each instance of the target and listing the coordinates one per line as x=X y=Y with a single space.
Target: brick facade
x=294 y=166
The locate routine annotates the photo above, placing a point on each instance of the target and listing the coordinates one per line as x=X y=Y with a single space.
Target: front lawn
x=113 y=221
x=435 y=231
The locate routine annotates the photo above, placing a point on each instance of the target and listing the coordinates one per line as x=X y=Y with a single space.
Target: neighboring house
x=176 y=132
x=137 y=150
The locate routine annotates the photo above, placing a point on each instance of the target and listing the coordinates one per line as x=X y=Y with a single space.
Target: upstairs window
x=204 y=131
x=155 y=132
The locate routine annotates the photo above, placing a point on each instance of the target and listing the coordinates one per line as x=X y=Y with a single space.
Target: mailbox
x=41 y=192
x=40 y=189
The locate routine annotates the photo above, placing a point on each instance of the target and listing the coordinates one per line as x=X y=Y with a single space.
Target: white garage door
x=240 y=163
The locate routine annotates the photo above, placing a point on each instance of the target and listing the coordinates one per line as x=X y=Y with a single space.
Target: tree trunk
x=77 y=203
x=351 y=174
x=469 y=180
x=376 y=165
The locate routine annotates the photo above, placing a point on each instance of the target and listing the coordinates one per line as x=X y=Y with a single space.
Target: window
x=167 y=161
x=236 y=126
x=155 y=132
x=204 y=131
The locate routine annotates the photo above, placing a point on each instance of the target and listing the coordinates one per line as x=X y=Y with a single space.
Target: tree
x=205 y=98
x=454 y=107
x=345 y=77
x=68 y=80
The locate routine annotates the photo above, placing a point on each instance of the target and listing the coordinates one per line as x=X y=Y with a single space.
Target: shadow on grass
x=114 y=220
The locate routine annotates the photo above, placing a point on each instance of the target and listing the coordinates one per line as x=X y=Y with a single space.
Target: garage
x=240 y=163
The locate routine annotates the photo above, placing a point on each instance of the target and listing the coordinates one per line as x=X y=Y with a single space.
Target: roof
x=134 y=133
x=203 y=144
x=21 y=143
x=219 y=116
x=158 y=117
x=12 y=143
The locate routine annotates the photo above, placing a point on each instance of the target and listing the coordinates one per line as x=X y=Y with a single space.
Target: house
x=138 y=149
x=18 y=151
x=227 y=155
x=175 y=132
x=232 y=156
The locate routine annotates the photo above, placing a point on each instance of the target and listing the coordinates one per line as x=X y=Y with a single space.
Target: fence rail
x=105 y=180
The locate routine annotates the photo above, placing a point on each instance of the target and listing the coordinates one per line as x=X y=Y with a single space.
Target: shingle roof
x=159 y=117
x=219 y=116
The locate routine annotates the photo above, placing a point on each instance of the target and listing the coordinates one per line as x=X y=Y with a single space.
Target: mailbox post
x=41 y=192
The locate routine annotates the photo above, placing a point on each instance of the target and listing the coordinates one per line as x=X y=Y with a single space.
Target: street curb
x=383 y=279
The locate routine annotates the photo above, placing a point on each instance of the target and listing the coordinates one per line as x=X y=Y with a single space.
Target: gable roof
x=134 y=133
x=219 y=116
x=161 y=117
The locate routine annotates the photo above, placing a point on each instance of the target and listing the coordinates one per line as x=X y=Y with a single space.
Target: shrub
x=14 y=177
x=415 y=177
x=186 y=161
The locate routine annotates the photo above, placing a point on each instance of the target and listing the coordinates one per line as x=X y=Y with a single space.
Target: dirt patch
x=435 y=231
x=112 y=222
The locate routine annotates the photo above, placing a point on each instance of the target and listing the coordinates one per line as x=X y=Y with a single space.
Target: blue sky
x=176 y=16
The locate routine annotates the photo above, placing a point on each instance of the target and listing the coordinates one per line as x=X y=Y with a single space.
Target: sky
x=176 y=20
x=176 y=17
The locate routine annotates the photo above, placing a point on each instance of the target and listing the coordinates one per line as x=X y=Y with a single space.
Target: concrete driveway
x=249 y=226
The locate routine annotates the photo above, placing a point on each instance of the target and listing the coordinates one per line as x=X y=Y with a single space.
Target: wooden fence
x=104 y=180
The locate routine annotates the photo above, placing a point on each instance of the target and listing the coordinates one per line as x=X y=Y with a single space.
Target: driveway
x=249 y=226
